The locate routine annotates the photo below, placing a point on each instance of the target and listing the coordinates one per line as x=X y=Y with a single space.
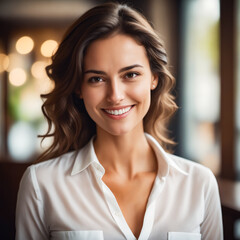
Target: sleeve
x=212 y=227
x=29 y=210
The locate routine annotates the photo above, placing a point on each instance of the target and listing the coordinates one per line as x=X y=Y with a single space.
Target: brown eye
x=95 y=80
x=131 y=75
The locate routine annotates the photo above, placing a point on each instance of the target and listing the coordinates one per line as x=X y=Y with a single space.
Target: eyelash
x=128 y=75
x=131 y=73
x=95 y=79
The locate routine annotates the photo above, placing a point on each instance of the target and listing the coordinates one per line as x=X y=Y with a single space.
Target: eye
x=95 y=79
x=131 y=75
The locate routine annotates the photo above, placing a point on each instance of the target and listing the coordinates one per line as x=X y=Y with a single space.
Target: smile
x=117 y=112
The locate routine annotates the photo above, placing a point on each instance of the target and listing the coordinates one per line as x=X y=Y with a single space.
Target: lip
x=122 y=111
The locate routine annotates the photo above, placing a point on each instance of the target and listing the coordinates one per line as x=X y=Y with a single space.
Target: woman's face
x=117 y=84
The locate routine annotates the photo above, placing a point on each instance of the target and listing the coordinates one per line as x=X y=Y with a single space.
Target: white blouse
x=65 y=198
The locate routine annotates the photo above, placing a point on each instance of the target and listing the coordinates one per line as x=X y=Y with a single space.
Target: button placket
x=151 y=208
x=117 y=213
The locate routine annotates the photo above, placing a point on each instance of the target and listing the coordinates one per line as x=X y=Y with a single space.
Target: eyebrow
x=120 y=71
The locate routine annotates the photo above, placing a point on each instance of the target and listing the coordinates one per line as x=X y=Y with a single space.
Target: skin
x=117 y=75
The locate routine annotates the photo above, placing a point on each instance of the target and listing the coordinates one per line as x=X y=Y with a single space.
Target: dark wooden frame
x=228 y=71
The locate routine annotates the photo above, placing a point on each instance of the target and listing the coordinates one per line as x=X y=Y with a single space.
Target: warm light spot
x=4 y=62
x=24 y=45
x=48 y=48
x=44 y=85
x=38 y=70
x=17 y=77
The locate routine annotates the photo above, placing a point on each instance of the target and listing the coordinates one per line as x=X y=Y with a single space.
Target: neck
x=126 y=155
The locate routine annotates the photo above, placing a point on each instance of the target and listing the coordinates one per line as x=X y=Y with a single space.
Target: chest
x=132 y=198
x=118 y=209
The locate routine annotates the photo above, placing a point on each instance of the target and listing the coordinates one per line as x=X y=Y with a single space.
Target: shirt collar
x=87 y=156
x=165 y=162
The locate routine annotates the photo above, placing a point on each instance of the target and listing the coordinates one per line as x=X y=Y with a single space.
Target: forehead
x=120 y=49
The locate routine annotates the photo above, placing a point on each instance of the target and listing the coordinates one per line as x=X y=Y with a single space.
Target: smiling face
x=117 y=83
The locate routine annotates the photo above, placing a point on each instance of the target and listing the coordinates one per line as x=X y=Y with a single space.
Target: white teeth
x=118 y=112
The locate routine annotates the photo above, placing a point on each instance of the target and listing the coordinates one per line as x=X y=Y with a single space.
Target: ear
x=154 y=81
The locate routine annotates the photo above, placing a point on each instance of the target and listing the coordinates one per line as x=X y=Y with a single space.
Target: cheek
x=142 y=92
x=91 y=101
x=91 y=97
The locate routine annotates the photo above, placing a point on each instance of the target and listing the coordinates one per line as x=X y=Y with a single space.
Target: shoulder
x=53 y=168
x=194 y=171
x=188 y=165
x=193 y=176
x=63 y=162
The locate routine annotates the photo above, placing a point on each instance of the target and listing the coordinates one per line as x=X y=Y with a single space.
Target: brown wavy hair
x=68 y=121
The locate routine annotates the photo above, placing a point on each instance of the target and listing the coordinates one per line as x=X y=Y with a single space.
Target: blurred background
x=202 y=38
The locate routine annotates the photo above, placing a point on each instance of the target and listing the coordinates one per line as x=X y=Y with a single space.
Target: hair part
x=68 y=121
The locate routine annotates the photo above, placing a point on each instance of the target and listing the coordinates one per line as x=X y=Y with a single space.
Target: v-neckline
x=148 y=215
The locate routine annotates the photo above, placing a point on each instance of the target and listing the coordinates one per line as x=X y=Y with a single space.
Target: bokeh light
x=38 y=70
x=22 y=148
x=17 y=77
x=48 y=48
x=24 y=45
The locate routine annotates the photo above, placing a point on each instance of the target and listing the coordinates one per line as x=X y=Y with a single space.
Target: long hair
x=68 y=121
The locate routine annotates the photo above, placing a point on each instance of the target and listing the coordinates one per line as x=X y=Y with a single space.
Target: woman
x=109 y=177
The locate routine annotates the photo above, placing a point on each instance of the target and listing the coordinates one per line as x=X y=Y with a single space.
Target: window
x=29 y=53
x=201 y=83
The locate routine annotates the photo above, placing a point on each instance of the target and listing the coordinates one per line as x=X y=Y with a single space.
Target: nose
x=115 y=92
